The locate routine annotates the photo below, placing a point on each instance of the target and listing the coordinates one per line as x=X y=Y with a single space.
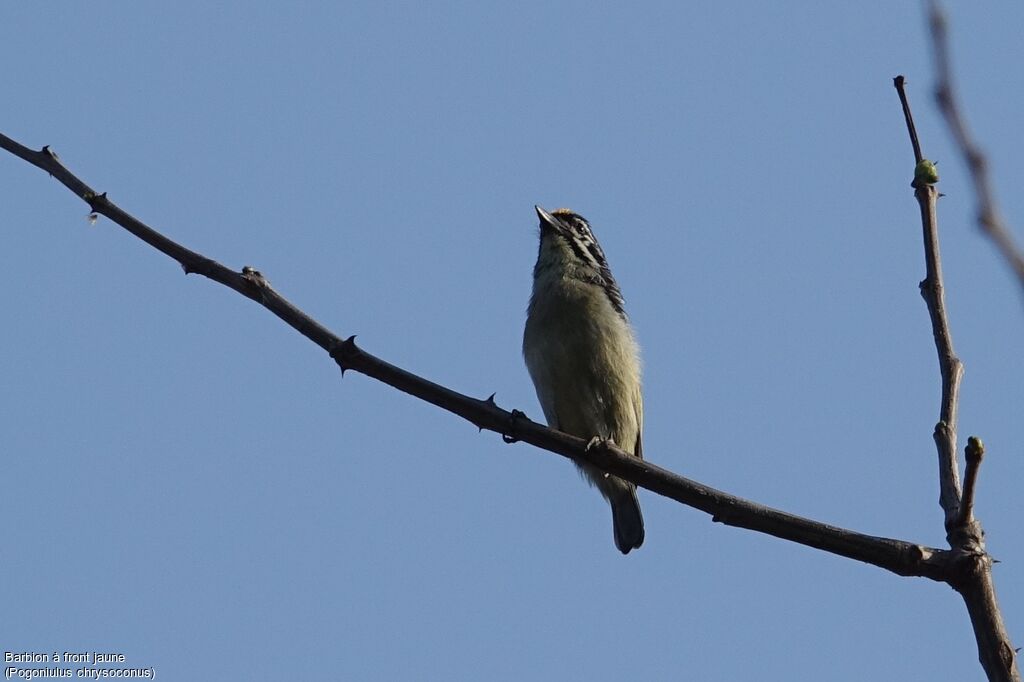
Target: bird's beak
x=549 y=221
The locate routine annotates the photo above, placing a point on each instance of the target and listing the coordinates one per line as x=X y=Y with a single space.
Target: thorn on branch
x=723 y=518
x=342 y=351
x=90 y=198
x=46 y=151
x=95 y=201
x=488 y=402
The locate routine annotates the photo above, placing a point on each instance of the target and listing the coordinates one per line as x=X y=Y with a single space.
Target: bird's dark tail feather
x=627 y=519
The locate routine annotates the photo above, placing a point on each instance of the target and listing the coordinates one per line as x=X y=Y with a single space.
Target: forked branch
x=973 y=577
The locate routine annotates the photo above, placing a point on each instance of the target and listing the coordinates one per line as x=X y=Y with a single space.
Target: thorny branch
x=973 y=575
x=898 y=556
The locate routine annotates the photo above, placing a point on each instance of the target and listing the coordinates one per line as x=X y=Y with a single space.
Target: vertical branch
x=972 y=573
x=950 y=367
x=995 y=650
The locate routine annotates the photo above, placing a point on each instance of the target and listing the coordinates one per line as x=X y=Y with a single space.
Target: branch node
x=256 y=281
x=96 y=201
x=254 y=276
x=341 y=352
x=920 y=554
x=489 y=404
x=925 y=173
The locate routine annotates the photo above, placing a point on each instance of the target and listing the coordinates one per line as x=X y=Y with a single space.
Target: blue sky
x=192 y=484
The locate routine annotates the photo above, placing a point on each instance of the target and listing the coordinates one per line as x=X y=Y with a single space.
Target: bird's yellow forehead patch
x=563 y=211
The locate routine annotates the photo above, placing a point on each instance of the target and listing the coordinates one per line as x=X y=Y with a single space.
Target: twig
x=950 y=367
x=900 y=82
x=989 y=219
x=898 y=556
x=973 y=454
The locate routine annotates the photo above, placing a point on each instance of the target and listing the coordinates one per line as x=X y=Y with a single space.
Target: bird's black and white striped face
x=567 y=242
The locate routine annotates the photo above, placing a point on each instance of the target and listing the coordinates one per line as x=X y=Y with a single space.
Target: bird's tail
x=627 y=519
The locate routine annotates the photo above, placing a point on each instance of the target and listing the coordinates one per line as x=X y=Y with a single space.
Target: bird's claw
x=509 y=436
x=598 y=442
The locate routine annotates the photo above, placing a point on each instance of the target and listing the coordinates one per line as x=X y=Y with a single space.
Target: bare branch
x=989 y=219
x=995 y=651
x=973 y=574
x=900 y=557
x=900 y=82
x=950 y=367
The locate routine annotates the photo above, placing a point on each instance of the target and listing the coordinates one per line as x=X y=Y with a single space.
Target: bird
x=582 y=355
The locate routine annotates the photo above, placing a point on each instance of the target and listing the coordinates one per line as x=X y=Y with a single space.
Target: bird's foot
x=509 y=435
x=598 y=442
